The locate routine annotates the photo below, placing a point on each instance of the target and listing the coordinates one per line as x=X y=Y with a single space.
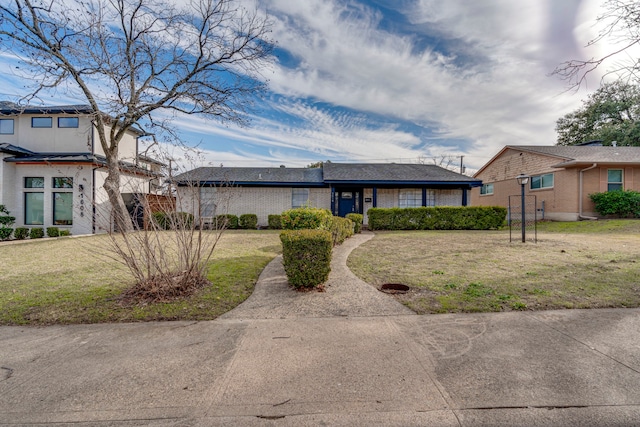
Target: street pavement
x=349 y=356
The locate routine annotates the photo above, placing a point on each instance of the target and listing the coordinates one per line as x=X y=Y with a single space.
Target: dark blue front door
x=347 y=203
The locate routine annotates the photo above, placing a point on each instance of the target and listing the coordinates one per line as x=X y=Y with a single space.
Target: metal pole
x=523 y=214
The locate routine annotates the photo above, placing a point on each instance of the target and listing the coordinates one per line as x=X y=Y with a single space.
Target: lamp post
x=522 y=181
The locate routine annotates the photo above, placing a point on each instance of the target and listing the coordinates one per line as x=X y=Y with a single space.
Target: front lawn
x=70 y=280
x=586 y=264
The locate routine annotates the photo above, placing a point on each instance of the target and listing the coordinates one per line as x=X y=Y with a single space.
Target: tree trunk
x=119 y=214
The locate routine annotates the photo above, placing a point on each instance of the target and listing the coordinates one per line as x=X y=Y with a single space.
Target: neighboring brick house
x=562 y=177
x=52 y=168
x=340 y=187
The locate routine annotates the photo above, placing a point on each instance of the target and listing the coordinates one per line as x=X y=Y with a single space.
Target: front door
x=347 y=203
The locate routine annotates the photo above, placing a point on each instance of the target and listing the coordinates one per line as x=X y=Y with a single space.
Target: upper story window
x=299 y=197
x=410 y=198
x=542 y=181
x=41 y=122
x=6 y=126
x=615 y=180
x=486 y=189
x=67 y=122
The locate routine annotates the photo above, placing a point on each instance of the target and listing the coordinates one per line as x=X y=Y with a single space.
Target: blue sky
x=399 y=81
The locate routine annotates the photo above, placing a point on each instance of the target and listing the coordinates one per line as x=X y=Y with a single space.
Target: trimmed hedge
x=275 y=222
x=173 y=220
x=622 y=203
x=53 y=232
x=341 y=229
x=306 y=218
x=36 y=233
x=21 y=233
x=248 y=221
x=306 y=255
x=357 y=221
x=228 y=221
x=437 y=218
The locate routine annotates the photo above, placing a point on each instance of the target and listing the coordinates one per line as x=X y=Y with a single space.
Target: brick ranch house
x=52 y=168
x=340 y=187
x=562 y=177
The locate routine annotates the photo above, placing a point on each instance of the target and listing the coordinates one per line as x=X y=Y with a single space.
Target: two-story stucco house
x=52 y=168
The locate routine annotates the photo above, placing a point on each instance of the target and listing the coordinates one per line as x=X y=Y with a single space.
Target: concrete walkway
x=348 y=356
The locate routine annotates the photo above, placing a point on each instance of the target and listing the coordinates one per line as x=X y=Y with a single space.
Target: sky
x=400 y=81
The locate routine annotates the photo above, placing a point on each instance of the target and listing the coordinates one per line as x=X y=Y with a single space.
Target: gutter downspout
x=580 y=215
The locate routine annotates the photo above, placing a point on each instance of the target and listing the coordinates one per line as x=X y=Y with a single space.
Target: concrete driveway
x=348 y=356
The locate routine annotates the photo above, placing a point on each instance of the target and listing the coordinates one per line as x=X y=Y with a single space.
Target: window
x=410 y=198
x=62 y=208
x=486 y=189
x=541 y=181
x=299 y=197
x=33 y=208
x=62 y=183
x=34 y=182
x=6 y=126
x=41 y=122
x=67 y=122
x=614 y=180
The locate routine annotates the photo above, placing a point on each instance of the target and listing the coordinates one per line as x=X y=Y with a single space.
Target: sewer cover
x=394 y=288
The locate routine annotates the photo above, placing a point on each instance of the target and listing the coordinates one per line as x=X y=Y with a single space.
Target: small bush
x=341 y=229
x=21 y=233
x=228 y=221
x=622 y=203
x=275 y=222
x=306 y=255
x=53 y=232
x=36 y=233
x=6 y=221
x=357 y=221
x=65 y=232
x=248 y=221
x=437 y=218
x=306 y=218
x=173 y=220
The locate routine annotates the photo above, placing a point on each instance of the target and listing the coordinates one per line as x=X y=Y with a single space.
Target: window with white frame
x=299 y=197
x=615 y=180
x=541 y=181
x=486 y=189
x=6 y=126
x=410 y=198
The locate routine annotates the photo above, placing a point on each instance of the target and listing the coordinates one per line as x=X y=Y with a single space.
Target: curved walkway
x=345 y=294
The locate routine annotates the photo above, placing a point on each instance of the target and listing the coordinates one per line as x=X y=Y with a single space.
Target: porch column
x=464 y=197
x=424 y=196
x=375 y=197
x=333 y=201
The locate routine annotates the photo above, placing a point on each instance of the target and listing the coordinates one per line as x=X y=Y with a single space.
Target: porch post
x=333 y=200
x=424 y=196
x=375 y=197
x=464 y=197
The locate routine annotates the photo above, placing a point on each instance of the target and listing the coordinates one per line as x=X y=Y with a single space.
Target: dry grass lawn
x=585 y=265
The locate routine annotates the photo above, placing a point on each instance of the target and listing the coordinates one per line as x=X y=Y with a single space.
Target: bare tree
x=621 y=26
x=137 y=60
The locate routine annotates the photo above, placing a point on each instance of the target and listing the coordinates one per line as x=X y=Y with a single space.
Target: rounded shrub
x=275 y=222
x=53 y=232
x=21 y=233
x=248 y=221
x=36 y=233
x=306 y=218
x=357 y=221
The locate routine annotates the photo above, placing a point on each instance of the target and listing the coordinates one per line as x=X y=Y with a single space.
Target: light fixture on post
x=522 y=181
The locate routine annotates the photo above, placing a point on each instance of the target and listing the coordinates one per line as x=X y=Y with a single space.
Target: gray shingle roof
x=11 y=108
x=568 y=155
x=390 y=172
x=331 y=173
x=263 y=176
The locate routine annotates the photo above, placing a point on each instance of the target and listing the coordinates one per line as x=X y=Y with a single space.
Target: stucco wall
x=53 y=139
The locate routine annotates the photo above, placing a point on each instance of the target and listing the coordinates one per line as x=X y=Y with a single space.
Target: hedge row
x=306 y=255
x=437 y=218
